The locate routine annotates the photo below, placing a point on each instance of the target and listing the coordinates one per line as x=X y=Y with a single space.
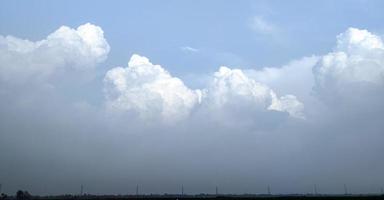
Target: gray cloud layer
x=316 y=120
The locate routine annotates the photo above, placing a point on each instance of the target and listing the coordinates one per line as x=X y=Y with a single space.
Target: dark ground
x=213 y=197
x=24 y=195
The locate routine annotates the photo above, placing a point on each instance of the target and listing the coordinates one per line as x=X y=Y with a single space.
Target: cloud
x=228 y=86
x=355 y=68
x=358 y=57
x=289 y=104
x=262 y=26
x=189 y=49
x=65 y=49
x=289 y=77
x=149 y=90
x=231 y=87
x=152 y=93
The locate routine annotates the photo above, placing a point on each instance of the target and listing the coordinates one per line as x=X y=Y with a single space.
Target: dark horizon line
x=209 y=194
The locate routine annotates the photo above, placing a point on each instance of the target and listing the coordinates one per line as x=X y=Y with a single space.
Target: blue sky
x=219 y=29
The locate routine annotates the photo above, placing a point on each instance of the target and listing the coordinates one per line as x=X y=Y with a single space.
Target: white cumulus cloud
x=64 y=49
x=149 y=90
x=357 y=58
x=232 y=87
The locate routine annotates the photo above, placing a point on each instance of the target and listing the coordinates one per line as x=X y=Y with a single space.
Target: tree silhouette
x=3 y=196
x=22 y=195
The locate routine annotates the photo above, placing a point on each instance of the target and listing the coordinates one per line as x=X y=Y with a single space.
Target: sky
x=239 y=95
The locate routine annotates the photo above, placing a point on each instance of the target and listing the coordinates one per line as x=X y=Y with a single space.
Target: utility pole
x=269 y=190
x=315 y=189
x=81 y=189
x=382 y=191
x=137 y=190
x=0 y=187
x=182 y=190
x=345 y=189
x=217 y=190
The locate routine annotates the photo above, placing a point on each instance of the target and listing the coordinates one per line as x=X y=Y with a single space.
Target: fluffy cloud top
x=150 y=91
x=232 y=87
x=287 y=103
x=64 y=49
x=357 y=58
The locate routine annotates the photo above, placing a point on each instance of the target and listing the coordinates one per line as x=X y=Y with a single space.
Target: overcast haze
x=234 y=94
